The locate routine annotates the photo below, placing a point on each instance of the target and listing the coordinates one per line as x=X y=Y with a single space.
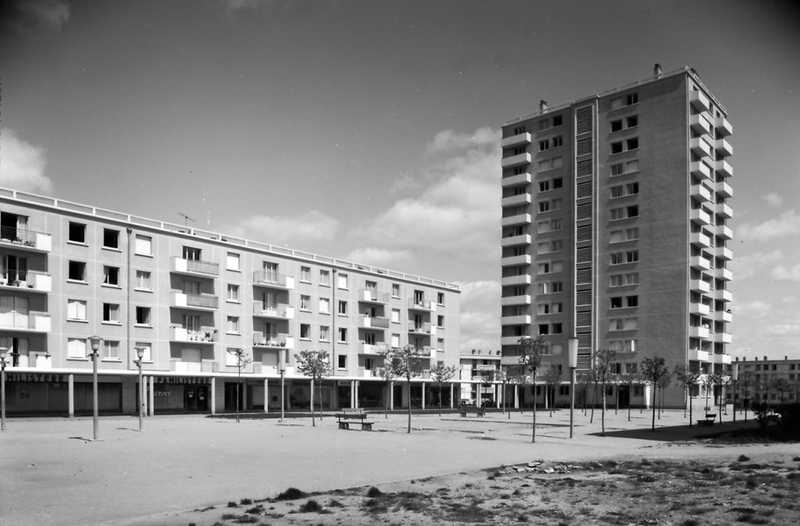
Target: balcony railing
x=32 y=321
x=421 y=305
x=420 y=328
x=191 y=266
x=515 y=140
x=202 y=335
x=524 y=299
x=26 y=239
x=280 y=310
x=374 y=322
x=518 y=219
x=276 y=340
x=373 y=348
x=516 y=200
x=516 y=160
x=269 y=278
x=514 y=180
x=199 y=301
x=373 y=296
x=31 y=280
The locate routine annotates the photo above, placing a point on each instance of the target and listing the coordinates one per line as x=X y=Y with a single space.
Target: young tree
x=710 y=380
x=688 y=378
x=407 y=362
x=242 y=361
x=663 y=383
x=552 y=380
x=387 y=372
x=316 y=365
x=603 y=359
x=441 y=373
x=653 y=369
x=746 y=381
x=531 y=351
x=629 y=378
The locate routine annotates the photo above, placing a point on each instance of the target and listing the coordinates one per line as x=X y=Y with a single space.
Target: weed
x=374 y=492
x=291 y=494
x=335 y=504
x=690 y=522
x=255 y=510
x=796 y=459
x=246 y=519
x=743 y=458
x=232 y=504
x=311 y=506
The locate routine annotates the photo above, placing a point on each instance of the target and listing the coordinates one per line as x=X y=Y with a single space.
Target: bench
x=708 y=420
x=478 y=410
x=354 y=416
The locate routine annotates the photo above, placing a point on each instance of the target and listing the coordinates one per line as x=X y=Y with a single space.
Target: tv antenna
x=186 y=218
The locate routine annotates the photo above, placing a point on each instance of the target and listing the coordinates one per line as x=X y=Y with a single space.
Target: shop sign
x=181 y=380
x=36 y=378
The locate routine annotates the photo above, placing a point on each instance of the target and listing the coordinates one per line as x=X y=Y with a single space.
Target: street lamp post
x=140 y=355
x=282 y=367
x=3 y=351
x=573 y=364
x=95 y=342
x=734 y=379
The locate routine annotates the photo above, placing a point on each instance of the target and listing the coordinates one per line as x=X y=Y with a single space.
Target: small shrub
x=246 y=502
x=690 y=522
x=255 y=510
x=374 y=492
x=232 y=504
x=246 y=519
x=335 y=504
x=311 y=506
x=291 y=494
x=743 y=458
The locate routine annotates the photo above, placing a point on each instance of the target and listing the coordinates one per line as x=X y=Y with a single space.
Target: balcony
x=700 y=309
x=509 y=340
x=421 y=304
x=516 y=140
x=193 y=301
x=700 y=147
x=516 y=200
x=724 y=147
x=373 y=296
x=723 y=210
x=724 y=295
x=723 y=126
x=699 y=215
x=421 y=328
x=724 y=189
x=724 y=359
x=724 y=232
x=701 y=170
x=696 y=355
x=699 y=332
x=373 y=349
x=522 y=279
x=698 y=285
x=519 y=219
x=372 y=322
x=723 y=337
x=515 y=300
x=700 y=239
x=699 y=101
x=516 y=320
x=516 y=180
x=724 y=315
x=193 y=267
x=30 y=281
x=24 y=239
x=272 y=280
x=281 y=311
x=26 y=322
x=273 y=341
x=700 y=191
x=700 y=262
x=516 y=160
x=514 y=261
x=723 y=168
x=723 y=253
x=203 y=335
x=699 y=123
x=723 y=274
x=524 y=239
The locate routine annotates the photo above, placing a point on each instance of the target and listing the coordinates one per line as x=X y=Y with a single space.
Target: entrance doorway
x=195 y=398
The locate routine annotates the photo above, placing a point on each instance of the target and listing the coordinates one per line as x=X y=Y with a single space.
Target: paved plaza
x=50 y=473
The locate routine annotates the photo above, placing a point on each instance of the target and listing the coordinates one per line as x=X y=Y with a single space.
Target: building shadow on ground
x=683 y=432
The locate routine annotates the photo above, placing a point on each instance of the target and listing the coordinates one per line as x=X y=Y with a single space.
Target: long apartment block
x=615 y=213
x=191 y=299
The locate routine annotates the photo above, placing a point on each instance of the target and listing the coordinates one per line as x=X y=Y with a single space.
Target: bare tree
x=441 y=373
x=747 y=381
x=242 y=361
x=603 y=358
x=663 y=383
x=552 y=380
x=653 y=369
x=407 y=362
x=710 y=380
x=388 y=374
x=316 y=365
x=531 y=351
x=688 y=378
x=629 y=378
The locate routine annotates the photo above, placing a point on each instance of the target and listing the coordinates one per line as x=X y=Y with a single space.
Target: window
x=305 y=331
x=628 y=234
x=343 y=308
x=342 y=337
x=395 y=315
x=110 y=313
x=557 y=328
x=440 y=321
x=558 y=182
x=232 y=262
x=519 y=130
x=544 y=328
x=342 y=282
x=305 y=274
x=440 y=298
x=143 y=280
x=143 y=245
x=625 y=212
x=76 y=310
x=233 y=324
x=233 y=293
x=110 y=350
x=632 y=98
x=142 y=315
x=623 y=324
x=632 y=301
x=544 y=145
x=396 y=290
x=544 y=186
x=544 y=206
x=324 y=306
x=305 y=302
x=324 y=333
x=110 y=238
x=77 y=348
x=111 y=276
x=616 y=302
x=550 y=267
x=558 y=120
x=620 y=258
x=325 y=278
x=557 y=141
x=395 y=340
x=341 y=361
x=77 y=233
x=76 y=271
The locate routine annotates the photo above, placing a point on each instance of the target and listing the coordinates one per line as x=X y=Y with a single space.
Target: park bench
x=478 y=410
x=355 y=416
x=708 y=420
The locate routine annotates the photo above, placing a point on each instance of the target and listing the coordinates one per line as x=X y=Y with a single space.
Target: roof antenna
x=186 y=218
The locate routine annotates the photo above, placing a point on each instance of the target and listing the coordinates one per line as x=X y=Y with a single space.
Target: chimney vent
x=657 y=71
x=543 y=105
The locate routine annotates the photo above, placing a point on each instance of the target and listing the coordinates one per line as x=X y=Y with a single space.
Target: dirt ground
x=449 y=470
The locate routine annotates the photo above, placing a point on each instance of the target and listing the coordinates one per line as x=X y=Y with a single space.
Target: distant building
x=768 y=381
x=615 y=212
x=191 y=298
x=479 y=374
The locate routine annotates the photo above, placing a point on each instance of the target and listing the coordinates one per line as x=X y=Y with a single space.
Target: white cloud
x=480 y=315
x=448 y=140
x=379 y=257
x=746 y=266
x=312 y=227
x=756 y=308
x=22 y=165
x=456 y=212
x=778 y=227
x=773 y=199
x=784 y=273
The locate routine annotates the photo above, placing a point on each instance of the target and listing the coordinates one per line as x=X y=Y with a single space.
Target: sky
x=369 y=130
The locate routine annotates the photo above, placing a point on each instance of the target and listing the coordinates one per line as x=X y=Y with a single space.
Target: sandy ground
x=51 y=474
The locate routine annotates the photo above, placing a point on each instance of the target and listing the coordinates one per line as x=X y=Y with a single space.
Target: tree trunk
x=408 y=382
x=313 y=422
x=690 y=408
x=603 y=411
x=653 y=428
x=533 y=433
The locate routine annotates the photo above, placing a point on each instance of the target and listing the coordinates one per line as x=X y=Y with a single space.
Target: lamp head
x=573 y=353
x=94 y=342
x=140 y=353
x=3 y=351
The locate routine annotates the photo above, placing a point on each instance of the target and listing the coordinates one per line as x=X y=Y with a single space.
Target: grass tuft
x=291 y=494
